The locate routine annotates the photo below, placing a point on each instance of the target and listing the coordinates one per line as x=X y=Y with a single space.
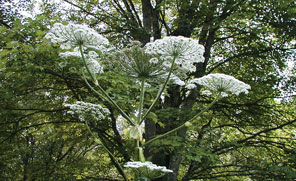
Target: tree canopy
x=240 y=138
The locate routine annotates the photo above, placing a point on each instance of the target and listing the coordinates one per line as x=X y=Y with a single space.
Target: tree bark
x=147 y=20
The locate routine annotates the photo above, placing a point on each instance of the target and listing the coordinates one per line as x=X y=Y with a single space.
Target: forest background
x=247 y=137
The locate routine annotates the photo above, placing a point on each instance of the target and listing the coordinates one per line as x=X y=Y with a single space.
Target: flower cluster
x=74 y=35
x=185 y=51
x=174 y=79
x=148 y=169
x=90 y=58
x=88 y=110
x=74 y=53
x=221 y=83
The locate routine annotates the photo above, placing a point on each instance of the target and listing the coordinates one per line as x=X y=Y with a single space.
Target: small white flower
x=222 y=83
x=88 y=110
x=175 y=80
x=167 y=64
x=65 y=46
x=190 y=86
x=121 y=125
x=153 y=61
x=93 y=54
x=94 y=66
x=224 y=94
x=207 y=93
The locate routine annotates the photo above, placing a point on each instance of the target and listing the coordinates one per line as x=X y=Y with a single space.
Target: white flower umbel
x=94 y=66
x=92 y=63
x=86 y=110
x=90 y=59
x=148 y=169
x=186 y=51
x=75 y=35
x=221 y=83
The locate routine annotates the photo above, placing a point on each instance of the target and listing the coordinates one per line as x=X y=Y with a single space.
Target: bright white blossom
x=153 y=61
x=222 y=83
x=186 y=51
x=74 y=35
x=206 y=92
x=92 y=63
x=167 y=64
x=224 y=94
x=148 y=169
x=190 y=86
x=88 y=111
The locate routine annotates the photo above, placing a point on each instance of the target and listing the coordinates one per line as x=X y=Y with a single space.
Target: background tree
x=38 y=140
x=246 y=137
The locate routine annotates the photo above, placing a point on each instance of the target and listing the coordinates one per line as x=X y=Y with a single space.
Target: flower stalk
x=160 y=91
x=142 y=97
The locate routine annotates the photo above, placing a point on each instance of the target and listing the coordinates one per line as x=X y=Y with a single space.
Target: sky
x=36 y=9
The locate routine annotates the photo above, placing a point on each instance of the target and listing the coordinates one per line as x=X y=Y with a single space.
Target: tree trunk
x=147 y=20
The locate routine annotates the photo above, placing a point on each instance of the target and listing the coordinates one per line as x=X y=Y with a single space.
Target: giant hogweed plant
x=166 y=60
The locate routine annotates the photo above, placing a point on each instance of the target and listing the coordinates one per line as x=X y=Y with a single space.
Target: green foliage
x=245 y=137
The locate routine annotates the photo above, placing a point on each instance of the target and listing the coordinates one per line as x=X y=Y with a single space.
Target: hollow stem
x=142 y=96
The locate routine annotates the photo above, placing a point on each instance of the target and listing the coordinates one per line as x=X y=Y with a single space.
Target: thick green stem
x=85 y=64
x=183 y=125
x=97 y=140
x=142 y=96
x=160 y=91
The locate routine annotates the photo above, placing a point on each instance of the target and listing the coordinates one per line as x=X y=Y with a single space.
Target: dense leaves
x=245 y=137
